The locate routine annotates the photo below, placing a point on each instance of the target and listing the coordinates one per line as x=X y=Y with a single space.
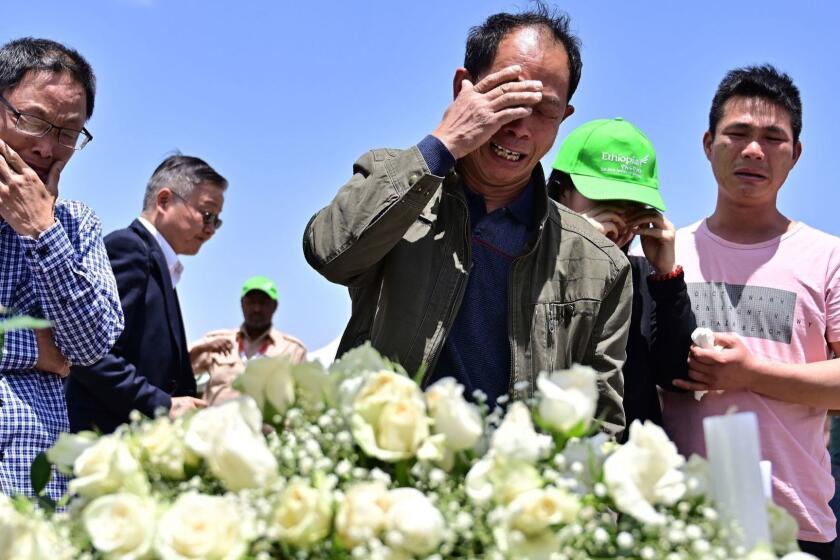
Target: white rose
x=268 y=381
x=568 y=399
x=358 y=360
x=361 y=514
x=241 y=459
x=67 y=448
x=535 y=511
x=314 y=386
x=761 y=552
x=203 y=426
x=783 y=528
x=499 y=478
x=121 y=526
x=280 y=388
x=347 y=390
x=433 y=449
x=453 y=416
x=201 y=527
x=644 y=472
x=511 y=478
x=542 y=546
x=477 y=483
x=590 y=452
x=163 y=447
x=105 y=467
x=303 y=515
x=7 y=509
x=413 y=523
x=389 y=417
x=516 y=437
x=229 y=438
x=29 y=538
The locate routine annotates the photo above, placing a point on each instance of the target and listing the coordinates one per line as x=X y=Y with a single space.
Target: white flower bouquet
x=358 y=462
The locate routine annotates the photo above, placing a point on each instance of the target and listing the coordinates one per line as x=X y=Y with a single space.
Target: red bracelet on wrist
x=676 y=273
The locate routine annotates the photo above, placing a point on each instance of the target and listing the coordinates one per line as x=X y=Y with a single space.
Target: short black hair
x=483 y=40
x=42 y=55
x=764 y=82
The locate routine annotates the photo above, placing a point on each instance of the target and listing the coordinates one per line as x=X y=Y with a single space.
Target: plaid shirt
x=63 y=276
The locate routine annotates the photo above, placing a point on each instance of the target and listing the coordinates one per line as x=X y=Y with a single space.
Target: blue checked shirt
x=63 y=276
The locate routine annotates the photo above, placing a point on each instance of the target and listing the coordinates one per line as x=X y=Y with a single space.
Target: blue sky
x=282 y=97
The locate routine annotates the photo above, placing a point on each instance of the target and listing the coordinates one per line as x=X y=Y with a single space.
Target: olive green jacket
x=399 y=238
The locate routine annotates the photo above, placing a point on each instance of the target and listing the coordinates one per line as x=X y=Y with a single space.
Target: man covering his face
x=457 y=261
x=52 y=258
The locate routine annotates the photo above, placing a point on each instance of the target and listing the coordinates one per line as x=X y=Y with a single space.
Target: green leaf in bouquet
x=272 y=416
x=40 y=472
x=464 y=460
x=421 y=374
x=402 y=472
x=19 y=323
x=22 y=505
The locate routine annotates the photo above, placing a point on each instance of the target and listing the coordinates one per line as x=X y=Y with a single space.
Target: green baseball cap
x=261 y=283
x=611 y=159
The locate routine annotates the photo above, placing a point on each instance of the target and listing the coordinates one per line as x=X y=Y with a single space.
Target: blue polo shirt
x=477 y=351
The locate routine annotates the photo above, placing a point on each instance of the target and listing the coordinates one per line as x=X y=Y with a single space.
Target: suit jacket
x=149 y=364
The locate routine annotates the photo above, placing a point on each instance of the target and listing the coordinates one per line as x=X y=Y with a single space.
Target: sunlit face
x=257 y=310
x=529 y=139
x=752 y=150
x=181 y=221
x=56 y=97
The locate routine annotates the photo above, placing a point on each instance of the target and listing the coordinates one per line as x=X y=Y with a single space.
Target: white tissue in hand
x=704 y=338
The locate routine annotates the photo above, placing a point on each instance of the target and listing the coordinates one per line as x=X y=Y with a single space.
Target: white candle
x=732 y=449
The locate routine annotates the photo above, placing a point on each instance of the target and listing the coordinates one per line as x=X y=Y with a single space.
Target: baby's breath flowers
x=357 y=462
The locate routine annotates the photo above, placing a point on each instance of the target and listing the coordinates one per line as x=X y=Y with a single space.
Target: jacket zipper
x=460 y=289
x=511 y=343
x=551 y=316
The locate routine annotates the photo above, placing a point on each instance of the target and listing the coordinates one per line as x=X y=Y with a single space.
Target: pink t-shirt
x=783 y=297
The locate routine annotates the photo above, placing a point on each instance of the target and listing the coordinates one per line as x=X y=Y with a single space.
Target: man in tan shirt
x=223 y=354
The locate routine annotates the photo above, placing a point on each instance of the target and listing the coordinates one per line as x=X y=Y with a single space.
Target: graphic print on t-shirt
x=753 y=311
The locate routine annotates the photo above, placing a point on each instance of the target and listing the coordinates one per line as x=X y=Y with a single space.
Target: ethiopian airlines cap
x=611 y=159
x=261 y=283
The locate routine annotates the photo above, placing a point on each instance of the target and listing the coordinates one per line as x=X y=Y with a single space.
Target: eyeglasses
x=209 y=218
x=36 y=126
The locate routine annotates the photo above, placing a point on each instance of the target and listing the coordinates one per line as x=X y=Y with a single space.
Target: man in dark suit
x=148 y=368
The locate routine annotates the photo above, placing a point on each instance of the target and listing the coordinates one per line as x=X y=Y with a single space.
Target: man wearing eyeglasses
x=148 y=369
x=52 y=259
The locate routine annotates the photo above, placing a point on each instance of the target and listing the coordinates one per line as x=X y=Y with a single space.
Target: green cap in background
x=261 y=283
x=611 y=159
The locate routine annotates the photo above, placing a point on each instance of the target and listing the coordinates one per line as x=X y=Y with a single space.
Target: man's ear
x=163 y=198
x=570 y=109
x=707 y=144
x=797 y=151
x=461 y=74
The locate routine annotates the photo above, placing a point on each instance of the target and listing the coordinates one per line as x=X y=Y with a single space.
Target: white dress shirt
x=172 y=262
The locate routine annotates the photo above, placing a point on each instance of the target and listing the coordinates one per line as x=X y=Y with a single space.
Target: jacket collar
x=170 y=297
x=173 y=263
x=452 y=184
